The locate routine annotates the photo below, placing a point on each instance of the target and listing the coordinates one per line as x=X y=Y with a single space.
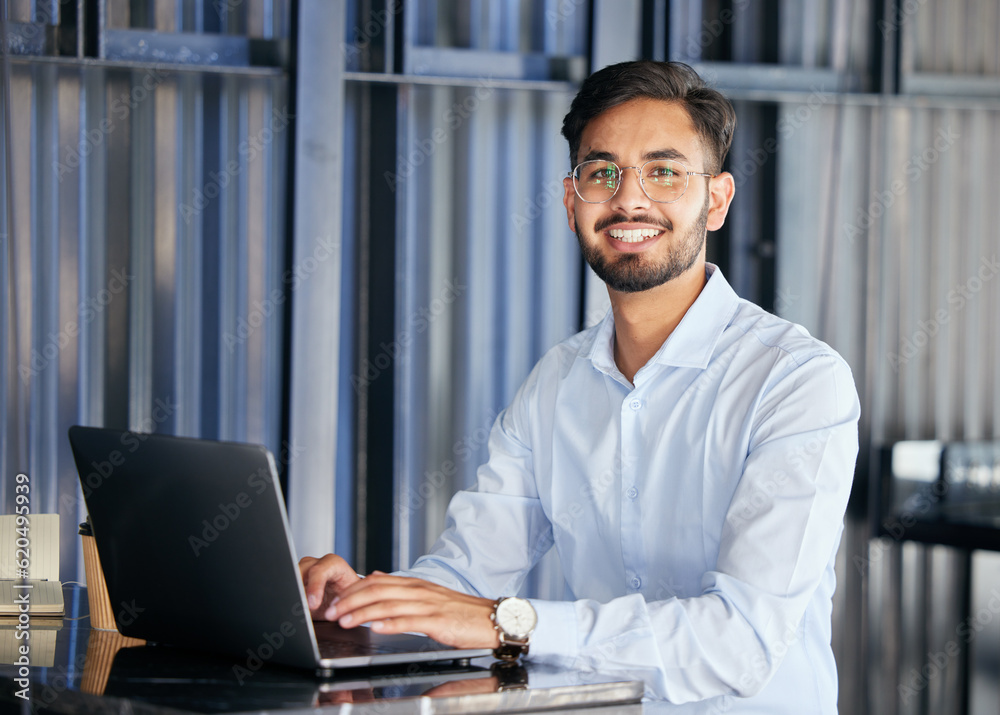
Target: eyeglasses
x=662 y=180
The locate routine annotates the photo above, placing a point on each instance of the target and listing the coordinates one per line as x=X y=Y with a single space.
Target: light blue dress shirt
x=696 y=514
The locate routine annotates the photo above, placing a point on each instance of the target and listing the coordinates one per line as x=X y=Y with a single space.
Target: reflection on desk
x=101 y=671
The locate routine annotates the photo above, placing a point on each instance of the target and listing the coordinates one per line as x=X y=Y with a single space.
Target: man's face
x=632 y=242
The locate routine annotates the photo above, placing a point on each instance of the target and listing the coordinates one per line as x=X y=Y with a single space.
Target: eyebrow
x=648 y=156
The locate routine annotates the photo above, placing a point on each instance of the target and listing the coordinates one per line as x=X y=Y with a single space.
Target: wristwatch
x=514 y=620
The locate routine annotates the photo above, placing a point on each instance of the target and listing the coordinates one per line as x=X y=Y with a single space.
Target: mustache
x=621 y=218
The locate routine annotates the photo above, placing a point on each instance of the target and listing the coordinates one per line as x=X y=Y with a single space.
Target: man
x=690 y=458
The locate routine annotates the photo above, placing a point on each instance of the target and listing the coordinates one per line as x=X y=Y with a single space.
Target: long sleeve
x=696 y=513
x=782 y=529
x=497 y=531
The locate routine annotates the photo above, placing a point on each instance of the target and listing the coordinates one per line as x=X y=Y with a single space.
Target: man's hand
x=394 y=604
x=324 y=580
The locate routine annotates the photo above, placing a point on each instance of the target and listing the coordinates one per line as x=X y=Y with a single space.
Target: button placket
x=631 y=517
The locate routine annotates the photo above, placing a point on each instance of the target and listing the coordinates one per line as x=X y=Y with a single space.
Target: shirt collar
x=693 y=340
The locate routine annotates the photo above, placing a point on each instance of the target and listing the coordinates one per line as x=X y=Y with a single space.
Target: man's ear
x=721 y=190
x=569 y=201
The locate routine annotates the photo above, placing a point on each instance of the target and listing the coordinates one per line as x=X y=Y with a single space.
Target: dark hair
x=711 y=113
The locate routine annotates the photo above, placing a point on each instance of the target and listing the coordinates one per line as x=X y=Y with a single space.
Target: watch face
x=516 y=617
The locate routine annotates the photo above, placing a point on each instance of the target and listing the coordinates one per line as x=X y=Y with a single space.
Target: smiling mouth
x=635 y=235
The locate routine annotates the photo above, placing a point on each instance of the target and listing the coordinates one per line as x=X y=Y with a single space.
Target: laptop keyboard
x=337 y=642
x=332 y=649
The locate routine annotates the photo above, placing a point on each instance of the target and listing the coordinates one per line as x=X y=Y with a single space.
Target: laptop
x=195 y=546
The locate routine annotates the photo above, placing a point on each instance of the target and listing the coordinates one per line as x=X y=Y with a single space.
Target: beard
x=635 y=272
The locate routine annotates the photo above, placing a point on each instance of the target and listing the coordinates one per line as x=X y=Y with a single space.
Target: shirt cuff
x=556 y=638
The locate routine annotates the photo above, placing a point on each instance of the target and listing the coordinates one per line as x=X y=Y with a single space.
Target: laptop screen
x=194 y=544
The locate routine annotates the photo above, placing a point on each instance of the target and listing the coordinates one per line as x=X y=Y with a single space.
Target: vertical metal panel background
x=316 y=371
x=489 y=272
x=910 y=231
x=108 y=171
x=143 y=241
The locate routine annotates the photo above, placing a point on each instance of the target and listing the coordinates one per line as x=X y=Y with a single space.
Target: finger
x=373 y=590
x=407 y=624
x=377 y=588
x=387 y=610
x=402 y=609
x=374 y=585
x=444 y=628
x=395 y=604
x=378 y=581
x=305 y=563
x=324 y=578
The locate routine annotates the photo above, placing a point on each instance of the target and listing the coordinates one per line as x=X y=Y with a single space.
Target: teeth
x=633 y=235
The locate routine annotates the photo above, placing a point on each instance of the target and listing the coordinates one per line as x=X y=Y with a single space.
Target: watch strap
x=510 y=648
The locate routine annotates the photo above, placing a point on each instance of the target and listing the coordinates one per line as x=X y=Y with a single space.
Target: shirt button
x=635 y=404
x=632 y=493
x=636 y=582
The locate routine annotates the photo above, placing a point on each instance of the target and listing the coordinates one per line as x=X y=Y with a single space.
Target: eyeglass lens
x=663 y=180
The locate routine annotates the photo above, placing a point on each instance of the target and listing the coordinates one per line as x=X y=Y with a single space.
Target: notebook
x=29 y=565
x=196 y=551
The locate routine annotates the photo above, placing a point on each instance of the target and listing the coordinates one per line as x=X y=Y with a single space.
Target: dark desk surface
x=926 y=512
x=936 y=492
x=76 y=669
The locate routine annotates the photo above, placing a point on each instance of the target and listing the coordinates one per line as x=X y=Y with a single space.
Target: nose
x=630 y=195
